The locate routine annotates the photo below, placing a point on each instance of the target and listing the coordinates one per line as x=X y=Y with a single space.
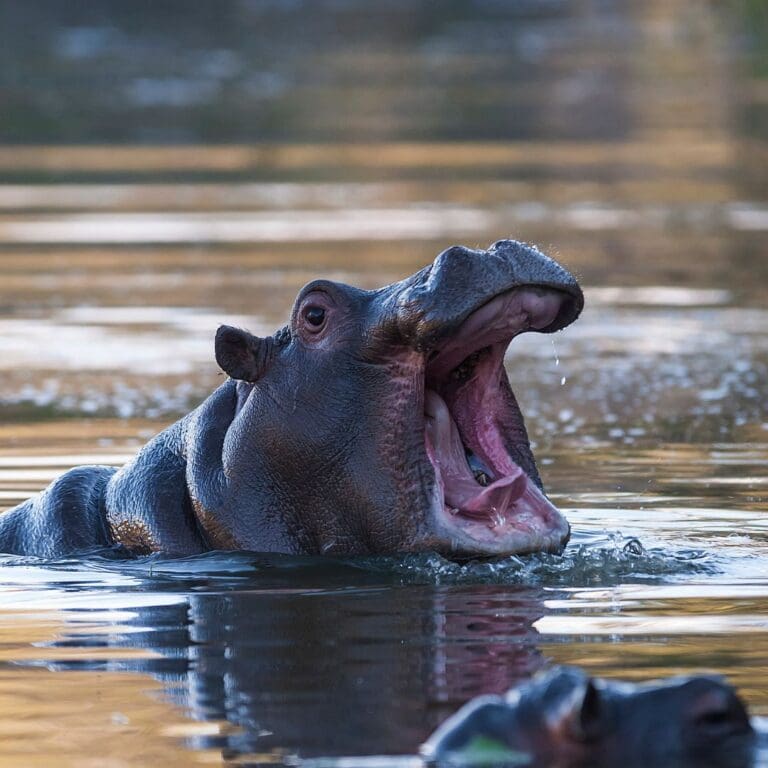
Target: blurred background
x=167 y=166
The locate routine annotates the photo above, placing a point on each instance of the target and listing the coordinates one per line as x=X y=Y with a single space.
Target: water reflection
x=272 y=655
x=293 y=656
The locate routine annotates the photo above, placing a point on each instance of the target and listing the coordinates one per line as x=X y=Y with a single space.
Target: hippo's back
x=68 y=516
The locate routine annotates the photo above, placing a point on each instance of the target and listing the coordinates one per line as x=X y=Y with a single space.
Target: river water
x=637 y=166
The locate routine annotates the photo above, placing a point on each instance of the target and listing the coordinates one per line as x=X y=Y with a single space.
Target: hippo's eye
x=314 y=315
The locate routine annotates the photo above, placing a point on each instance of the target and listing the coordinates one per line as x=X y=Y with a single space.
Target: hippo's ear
x=241 y=355
x=583 y=718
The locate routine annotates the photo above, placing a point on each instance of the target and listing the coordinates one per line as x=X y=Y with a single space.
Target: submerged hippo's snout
x=436 y=301
x=565 y=717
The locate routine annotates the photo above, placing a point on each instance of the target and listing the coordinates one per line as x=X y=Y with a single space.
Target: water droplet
x=554 y=352
x=497 y=518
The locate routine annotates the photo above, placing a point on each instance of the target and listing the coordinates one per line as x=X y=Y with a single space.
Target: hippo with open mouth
x=375 y=422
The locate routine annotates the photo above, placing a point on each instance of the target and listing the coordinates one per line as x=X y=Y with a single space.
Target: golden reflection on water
x=678 y=154
x=97 y=718
x=33 y=454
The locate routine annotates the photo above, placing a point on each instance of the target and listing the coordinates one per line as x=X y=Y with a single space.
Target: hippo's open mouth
x=475 y=437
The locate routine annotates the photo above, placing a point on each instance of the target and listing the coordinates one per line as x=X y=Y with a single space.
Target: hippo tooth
x=482 y=478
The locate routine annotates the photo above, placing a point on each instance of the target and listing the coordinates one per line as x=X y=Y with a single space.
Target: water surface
x=635 y=160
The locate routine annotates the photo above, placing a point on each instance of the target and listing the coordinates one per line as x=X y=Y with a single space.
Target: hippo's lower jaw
x=489 y=499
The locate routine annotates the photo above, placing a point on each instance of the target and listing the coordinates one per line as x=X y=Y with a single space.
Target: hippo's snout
x=437 y=300
x=459 y=315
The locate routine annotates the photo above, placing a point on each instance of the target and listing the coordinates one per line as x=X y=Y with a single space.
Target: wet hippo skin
x=374 y=422
x=565 y=718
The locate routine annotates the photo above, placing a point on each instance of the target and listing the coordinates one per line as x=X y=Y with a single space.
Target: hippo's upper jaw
x=487 y=497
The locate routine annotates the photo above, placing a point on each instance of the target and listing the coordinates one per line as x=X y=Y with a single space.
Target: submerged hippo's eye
x=315 y=316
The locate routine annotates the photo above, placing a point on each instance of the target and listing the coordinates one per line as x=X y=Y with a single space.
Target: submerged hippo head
x=565 y=718
x=383 y=421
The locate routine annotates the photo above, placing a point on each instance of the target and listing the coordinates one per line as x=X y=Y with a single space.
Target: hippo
x=376 y=421
x=566 y=718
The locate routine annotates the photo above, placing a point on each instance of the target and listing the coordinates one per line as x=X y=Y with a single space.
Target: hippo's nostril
x=718 y=712
x=714 y=717
x=728 y=715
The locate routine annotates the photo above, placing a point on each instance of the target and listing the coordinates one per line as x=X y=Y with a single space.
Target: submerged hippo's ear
x=583 y=718
x=241 y=355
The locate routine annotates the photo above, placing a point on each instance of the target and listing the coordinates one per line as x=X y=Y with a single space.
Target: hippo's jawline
x=489 y=500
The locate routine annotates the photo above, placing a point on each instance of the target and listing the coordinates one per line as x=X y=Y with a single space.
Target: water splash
x=599 y=561
x=606 y=563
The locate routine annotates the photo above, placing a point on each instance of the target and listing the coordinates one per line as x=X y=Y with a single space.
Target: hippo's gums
x=375 y=422
x=566 y=718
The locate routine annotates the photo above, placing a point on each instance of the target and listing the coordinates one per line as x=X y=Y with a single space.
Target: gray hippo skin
x=567 y=719
x=375 y=422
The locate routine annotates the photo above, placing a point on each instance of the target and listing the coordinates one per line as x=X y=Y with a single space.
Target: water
x=625 y=142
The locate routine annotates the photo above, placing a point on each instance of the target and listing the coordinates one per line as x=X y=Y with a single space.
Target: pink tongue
x=496 y=498
x=462 y=491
